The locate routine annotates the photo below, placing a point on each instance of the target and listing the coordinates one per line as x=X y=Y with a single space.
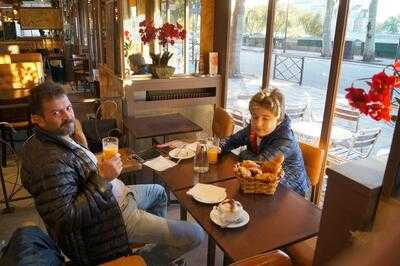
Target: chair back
x=223 y=124
x=237 y=116
x=313 y=161
x=365 y=141
x=5 y=59
x=271 y=258
x=296 y=112
x=348 y=114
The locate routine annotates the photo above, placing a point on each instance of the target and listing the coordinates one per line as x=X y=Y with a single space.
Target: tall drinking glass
x=212 y=152
x=110 y=147
x=200 y=163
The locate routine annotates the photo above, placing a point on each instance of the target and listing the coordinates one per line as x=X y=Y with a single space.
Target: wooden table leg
x=227 y=260
x=211 y=252
x=183 y=213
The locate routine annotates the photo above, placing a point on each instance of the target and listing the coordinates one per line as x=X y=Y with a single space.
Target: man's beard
x=66 y=128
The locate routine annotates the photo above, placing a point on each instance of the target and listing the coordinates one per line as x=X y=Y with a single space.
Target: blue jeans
x=144 y=210
x=31 y=246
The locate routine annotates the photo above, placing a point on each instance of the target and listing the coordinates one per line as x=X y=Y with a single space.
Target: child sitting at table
x=268 y=134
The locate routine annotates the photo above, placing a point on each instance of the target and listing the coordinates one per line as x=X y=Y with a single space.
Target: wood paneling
x=333 y=84
x=207 y=27
x=222 y=14
x=392 y=173
x=41 y=18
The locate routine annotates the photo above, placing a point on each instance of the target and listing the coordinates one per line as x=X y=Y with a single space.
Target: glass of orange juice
x=212 y=152
x=110 y=147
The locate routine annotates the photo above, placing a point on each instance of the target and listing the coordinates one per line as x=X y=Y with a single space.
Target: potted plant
x=377 y=102
x=167 y=34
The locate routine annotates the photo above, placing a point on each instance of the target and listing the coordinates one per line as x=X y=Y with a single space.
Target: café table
x=275 y=221
x=159 y=126
x=182 y=176
x=310 y=132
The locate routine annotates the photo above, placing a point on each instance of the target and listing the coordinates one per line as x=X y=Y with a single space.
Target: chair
x=238 y=117
x=296 y=112
x=302 y=253
x=126 y=261
x=272 y=258
x=348 y=114
x=360 y=147
x=223 y=124
x=313 y=161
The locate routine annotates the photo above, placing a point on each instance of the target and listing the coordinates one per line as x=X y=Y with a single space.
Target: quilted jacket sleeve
x=58 y=199
x=235 y=141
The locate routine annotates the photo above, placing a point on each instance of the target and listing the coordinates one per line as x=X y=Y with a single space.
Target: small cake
x=230 y=210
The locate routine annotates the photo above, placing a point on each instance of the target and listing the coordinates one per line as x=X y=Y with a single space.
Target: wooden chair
x=296 y=112
x=302 y=253
x=238 y=117
x=359 y=148
x=272 y=258
x=223 y=124
x=133 y=260
x=313 y=159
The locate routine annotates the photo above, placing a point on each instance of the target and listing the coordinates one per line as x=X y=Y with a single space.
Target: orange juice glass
x=212 y=154
x=110 y=147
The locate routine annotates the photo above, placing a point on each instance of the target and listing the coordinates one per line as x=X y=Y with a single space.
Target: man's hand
x=110 y=169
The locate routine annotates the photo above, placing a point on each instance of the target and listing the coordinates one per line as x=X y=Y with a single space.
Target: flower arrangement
x=167 y=34
x=377 y=102
x=128 y=43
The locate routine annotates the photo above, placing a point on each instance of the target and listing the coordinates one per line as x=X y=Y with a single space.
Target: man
x=90 y=213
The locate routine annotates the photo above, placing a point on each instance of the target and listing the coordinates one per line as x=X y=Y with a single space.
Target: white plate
x=214 y=216
x=183 y=153
x=214 y=199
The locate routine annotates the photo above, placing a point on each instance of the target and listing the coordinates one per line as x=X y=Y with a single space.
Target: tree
x=256 y=18
x=236 y=38
x=369 y=48
x=326 y=29
x=390 y=25
x=312 y=24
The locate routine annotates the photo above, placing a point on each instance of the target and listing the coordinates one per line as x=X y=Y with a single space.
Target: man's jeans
x=143 y=211
x=31 y=246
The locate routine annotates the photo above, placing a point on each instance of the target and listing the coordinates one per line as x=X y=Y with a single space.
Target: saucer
x=215 y=217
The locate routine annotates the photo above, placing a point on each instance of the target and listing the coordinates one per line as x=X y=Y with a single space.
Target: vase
x=162 y=72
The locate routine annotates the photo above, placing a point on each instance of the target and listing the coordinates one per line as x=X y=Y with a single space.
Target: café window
x=186 y=13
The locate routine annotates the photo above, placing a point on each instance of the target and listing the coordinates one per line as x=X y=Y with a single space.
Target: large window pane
x=193 y=37
x=248 y=25
x=177 y=15
x=372 y=38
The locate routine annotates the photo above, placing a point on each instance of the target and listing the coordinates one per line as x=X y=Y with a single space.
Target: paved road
x=316 y=70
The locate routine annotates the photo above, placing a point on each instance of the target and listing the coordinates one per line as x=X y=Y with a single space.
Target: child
x=268 y=134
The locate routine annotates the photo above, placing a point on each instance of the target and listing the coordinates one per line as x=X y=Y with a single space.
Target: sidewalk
x=357 y=58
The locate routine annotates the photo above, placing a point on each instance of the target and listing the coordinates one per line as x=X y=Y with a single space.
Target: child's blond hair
x=272 y=100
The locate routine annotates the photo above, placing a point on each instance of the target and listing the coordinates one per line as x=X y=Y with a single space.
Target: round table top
x=313 y=130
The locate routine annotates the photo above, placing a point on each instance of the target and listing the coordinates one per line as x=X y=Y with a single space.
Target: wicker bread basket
x=265 y=183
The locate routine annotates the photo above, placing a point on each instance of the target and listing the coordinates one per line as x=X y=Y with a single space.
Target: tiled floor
x=25 y=212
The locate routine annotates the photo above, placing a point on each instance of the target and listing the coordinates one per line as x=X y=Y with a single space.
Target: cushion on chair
x=223 y=124
x=302 y=253
x=272 y=258
x=313 y=159
x=126 y=261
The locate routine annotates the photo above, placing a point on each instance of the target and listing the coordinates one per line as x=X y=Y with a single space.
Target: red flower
x=126 y=33
x=358 y=98
x=396 y=65
x=383 y=83
x=167 y=34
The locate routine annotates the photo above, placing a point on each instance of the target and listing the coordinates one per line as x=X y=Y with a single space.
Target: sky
x=386 y=8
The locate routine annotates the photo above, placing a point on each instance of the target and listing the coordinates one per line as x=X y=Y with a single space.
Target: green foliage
x=312 y=24
x=390 y=25
x=256 y=19
x=161 y=59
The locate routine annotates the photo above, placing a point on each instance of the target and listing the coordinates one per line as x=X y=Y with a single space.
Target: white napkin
x=206 y=191
x=160 y=164
x=237 y=151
